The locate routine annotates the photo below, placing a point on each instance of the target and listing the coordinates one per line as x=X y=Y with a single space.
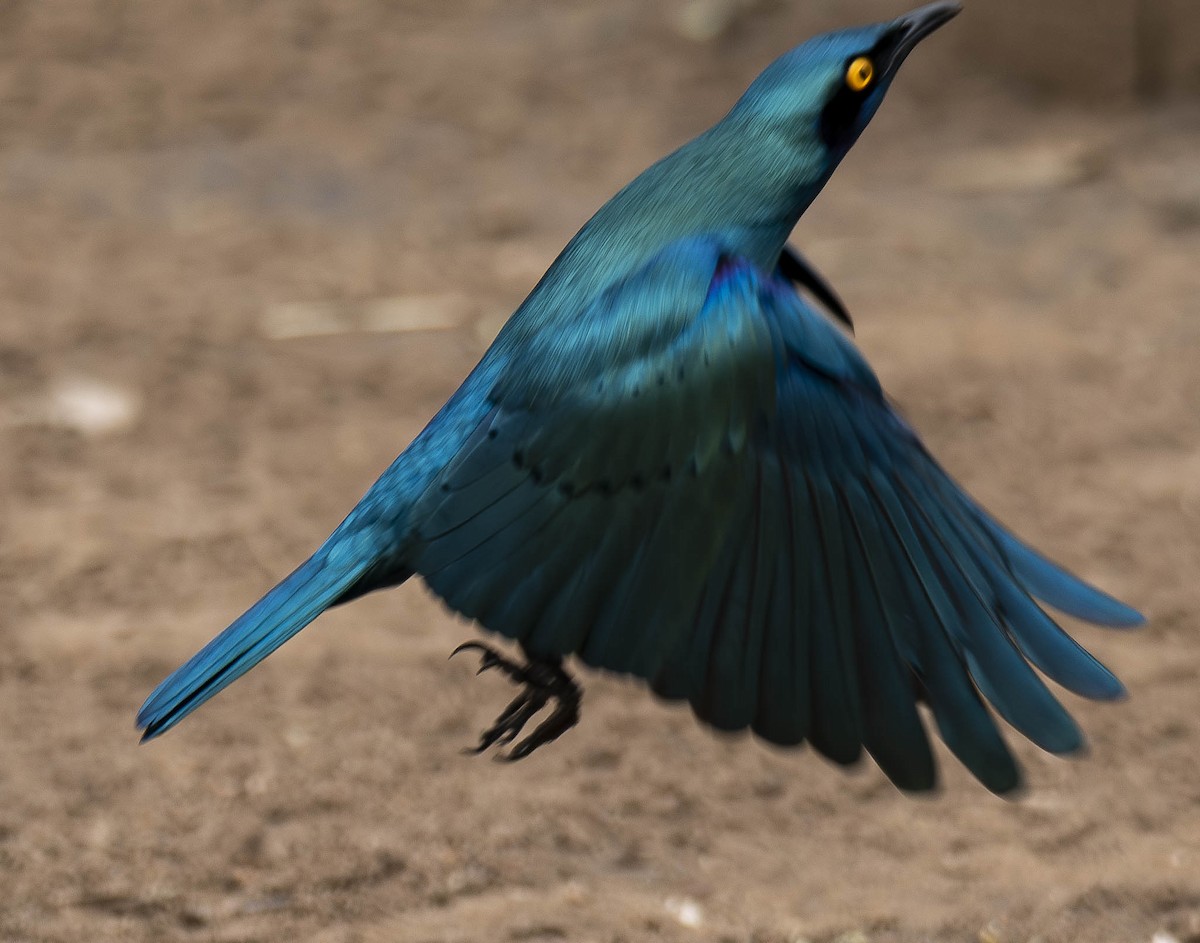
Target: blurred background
x=247 y=247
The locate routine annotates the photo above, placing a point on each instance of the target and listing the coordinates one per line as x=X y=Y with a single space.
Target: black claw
x=493 y=659
x=488 y=660
x=565 y=716
x=543 y=680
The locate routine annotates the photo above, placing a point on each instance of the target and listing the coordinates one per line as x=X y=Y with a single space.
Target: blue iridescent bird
x=672 y=465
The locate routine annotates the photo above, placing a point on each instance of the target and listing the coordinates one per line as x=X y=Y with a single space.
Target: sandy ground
x=180 y=183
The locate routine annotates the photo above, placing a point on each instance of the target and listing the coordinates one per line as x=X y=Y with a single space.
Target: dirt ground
x=189 y=191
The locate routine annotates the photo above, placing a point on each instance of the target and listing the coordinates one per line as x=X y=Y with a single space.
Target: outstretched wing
x=699 y=481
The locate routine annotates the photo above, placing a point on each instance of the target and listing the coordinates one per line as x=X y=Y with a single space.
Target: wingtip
x=1113 y=614
x=1011 y=791
x=1107 y=611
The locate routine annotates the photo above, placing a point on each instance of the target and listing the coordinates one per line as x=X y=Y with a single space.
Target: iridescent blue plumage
x=672 y=466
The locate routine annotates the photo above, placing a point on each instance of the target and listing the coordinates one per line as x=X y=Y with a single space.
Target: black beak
x=911 y=28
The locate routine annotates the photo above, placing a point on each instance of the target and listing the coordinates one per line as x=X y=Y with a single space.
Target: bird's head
x=822 y=94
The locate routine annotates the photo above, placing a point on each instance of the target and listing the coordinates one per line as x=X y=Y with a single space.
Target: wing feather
x=698 y=481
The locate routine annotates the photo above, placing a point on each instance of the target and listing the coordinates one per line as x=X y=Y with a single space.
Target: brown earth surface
x=186 y=187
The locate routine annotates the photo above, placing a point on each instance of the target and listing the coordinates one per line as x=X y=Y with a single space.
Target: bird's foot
x=544 y=680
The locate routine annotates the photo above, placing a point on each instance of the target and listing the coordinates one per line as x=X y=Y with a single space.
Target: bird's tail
x=299 y=598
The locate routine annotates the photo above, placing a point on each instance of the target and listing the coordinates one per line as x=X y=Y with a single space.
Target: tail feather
x=299 y=598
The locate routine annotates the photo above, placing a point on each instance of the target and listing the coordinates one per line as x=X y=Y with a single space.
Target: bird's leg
x=544 y=679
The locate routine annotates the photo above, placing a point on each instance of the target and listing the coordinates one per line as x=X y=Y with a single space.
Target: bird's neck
x=742 y=181
x=738 y=183
x=751 y=184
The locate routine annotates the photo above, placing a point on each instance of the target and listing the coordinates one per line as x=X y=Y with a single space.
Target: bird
x=674 y=463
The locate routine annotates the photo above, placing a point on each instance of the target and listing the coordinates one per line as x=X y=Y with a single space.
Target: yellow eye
x=860 y=74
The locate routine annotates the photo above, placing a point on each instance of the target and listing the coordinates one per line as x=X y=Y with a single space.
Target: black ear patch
x=840 y=116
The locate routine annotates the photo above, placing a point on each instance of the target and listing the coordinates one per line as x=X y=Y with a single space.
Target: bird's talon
x=461 y=648
x=542 y=680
